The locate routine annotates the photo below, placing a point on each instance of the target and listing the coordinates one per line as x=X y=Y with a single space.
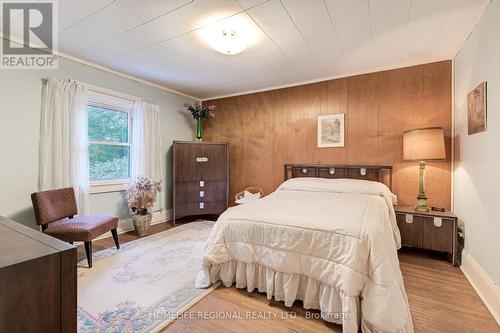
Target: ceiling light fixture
x=229 y=42
x=229 y=36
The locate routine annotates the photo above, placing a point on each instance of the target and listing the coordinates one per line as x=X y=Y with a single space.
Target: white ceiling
x=299 y=40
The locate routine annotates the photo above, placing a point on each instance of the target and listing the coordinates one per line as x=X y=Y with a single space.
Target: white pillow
x=248 y=197
x=339 y=185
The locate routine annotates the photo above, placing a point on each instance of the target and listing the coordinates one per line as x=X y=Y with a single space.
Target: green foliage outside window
x=107 y=125
x=107 y=161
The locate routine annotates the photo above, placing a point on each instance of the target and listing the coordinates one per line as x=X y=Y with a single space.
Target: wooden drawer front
x=438 y=238
x=304 y=172
x=215 y=186
x=187 y=187
x=193 y=208
x=186 y=167
x=35 y=286
x=339 y=173
x=37 y=281
x=411 y=233
x=200 y=195
x=196 y=186
x=215 y=167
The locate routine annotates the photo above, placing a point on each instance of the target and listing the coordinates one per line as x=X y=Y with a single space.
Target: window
x=109 y=139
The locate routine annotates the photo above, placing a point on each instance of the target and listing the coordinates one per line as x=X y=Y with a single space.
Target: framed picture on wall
x=331 y=130
x=476 y=109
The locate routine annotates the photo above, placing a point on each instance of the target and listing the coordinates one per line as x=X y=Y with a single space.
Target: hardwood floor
x=441 y=300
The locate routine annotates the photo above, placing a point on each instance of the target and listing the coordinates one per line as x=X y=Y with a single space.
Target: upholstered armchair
x=55 y=211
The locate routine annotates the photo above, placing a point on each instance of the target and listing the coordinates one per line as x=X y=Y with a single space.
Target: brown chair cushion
x=82 y=228
x=54 y=205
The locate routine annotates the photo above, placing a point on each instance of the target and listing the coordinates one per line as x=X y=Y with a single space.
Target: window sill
x=96 y=188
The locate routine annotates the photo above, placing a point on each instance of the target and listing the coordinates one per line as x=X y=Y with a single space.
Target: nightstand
x=431 y=230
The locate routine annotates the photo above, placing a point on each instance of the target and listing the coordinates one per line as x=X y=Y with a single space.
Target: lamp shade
x=424 y=144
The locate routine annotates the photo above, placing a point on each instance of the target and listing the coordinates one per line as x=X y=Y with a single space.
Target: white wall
x=477 y=169
x=20 y=101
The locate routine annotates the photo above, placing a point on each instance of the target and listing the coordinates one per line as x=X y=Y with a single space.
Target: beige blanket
x=331 y=243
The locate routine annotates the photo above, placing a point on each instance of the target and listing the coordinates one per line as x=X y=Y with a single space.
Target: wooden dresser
x=37 y=281
x=437 y=231
x=200 y=178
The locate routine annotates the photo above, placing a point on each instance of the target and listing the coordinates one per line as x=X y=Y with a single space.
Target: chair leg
x=115 y=238
x=88 y=251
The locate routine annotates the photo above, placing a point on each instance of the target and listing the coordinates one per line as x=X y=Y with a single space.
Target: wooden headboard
x=378 y=173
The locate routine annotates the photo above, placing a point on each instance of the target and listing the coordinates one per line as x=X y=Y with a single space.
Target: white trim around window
x=108 y=100
x=106 y=186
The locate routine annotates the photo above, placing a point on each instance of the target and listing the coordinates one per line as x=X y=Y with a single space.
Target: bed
x=328 y=237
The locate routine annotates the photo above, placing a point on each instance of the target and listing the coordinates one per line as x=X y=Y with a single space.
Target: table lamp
x=423 y=144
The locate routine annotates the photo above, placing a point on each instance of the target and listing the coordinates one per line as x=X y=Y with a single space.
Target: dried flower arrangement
x=199 y=112
x=141 y=194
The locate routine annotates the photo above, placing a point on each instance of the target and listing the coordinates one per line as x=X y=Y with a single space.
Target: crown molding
x=326 y=78
x=108 y=70
x=123 y=75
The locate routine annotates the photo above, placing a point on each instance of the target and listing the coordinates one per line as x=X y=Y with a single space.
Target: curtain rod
x=105 y=91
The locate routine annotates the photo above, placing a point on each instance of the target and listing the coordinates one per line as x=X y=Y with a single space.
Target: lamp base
x=421 y=204
x=421 y=197
x=421 y=209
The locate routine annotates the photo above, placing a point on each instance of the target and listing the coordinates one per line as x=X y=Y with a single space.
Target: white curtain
x=146 y=154
x=64 y=140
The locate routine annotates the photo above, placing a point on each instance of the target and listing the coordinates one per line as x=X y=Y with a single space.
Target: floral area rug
x=143 y=286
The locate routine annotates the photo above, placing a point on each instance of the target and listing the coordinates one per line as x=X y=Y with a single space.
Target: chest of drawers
x=38 y=290
x=431 y=230
x=200 y=178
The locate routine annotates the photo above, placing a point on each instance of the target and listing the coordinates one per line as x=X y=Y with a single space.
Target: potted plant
x=141 y=195
x=199 y=113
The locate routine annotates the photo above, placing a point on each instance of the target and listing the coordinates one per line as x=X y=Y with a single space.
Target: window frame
x=114 y=103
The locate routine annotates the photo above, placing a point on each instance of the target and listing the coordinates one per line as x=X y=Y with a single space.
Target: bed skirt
x=334 y=305
x=287 y=287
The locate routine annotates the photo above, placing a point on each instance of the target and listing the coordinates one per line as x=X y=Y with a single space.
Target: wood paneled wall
x=268 y=129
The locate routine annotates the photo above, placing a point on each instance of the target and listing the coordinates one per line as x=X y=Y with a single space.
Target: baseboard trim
x=126 y=225
x=484 y=285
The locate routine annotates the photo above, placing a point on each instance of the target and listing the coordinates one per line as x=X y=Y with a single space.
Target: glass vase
x=199 y=129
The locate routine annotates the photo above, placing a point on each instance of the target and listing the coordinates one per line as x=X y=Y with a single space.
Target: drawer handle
x=304 y=170
x=202 y=183
x=202 y=194
x=202 y=205
x=438 y=222
x=409 y=218
x=202 y=159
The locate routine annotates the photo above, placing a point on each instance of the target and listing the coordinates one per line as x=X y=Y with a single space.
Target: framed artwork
x=331 y=130
x=476 y=109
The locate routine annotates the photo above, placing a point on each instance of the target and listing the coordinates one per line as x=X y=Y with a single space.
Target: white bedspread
x=329 y=242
